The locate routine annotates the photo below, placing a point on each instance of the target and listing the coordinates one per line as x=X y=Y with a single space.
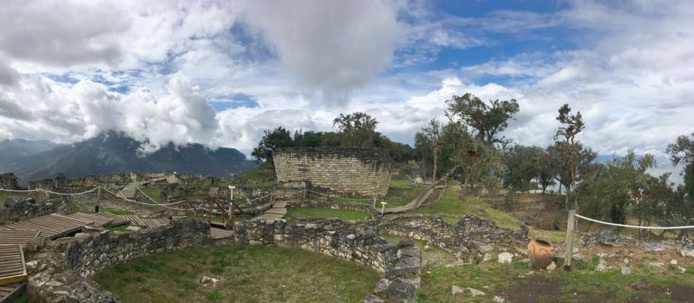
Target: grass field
x=152 y=192
x=247 y=274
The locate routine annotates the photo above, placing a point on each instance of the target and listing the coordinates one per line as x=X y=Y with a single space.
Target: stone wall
x=60 y=271
x=16 y=209
x=364 y=172
x=400 y=264
x=8 y=181
x=469 y=240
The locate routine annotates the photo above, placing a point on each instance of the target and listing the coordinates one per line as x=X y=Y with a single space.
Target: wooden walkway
x=17 y=237
x=115 y=219
x=278 y=211
x=11 y=291
x=50 y=226
x=12 y=267
x=416 y=203
x=128 y=192
x=146 y=222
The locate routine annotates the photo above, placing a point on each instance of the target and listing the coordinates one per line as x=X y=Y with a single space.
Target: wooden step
x=12 y=266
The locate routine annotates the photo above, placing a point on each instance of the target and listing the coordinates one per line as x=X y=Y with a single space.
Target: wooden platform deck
x=116 y=220
x=95 y=219
x=50 y=226
x=17 y=237
x=146 y=222
x=11 y=291
x=12 y=267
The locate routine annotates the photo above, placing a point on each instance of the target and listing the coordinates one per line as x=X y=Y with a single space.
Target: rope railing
x=571 y=227
x=49 y=191
x=635 y=226
x=157 y=202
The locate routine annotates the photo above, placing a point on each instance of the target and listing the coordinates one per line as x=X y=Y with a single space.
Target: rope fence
x=49 y=191
x=634 y=226
x=571 y=228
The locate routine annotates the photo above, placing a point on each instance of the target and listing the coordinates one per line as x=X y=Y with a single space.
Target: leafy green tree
x=569 y=151
x=523 y=164
x=308 y=138
x=356 y=130
x=271 y=141
x=355 y=122
x=486 y=120
x=547 y=169
x=620 y=184
x=428 y=145
x=652 y=198
x=682 y=208
x=682 y=152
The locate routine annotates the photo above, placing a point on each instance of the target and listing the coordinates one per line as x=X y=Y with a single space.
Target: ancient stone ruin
x=365 y=172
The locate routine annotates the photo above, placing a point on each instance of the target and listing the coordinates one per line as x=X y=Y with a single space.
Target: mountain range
x=114 y=153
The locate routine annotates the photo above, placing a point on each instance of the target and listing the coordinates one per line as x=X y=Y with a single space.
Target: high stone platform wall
x=364 y=172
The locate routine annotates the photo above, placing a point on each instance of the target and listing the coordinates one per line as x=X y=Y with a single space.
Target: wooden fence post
x=570 y=225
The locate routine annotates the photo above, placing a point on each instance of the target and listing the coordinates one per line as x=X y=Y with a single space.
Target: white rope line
x=141 y=203
x=635 y=226
x=157 y=202
x=49 y=191
x=259 y=198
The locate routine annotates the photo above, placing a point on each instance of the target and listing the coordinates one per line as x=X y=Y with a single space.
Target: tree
x=682 y=209
x=308 y=138
x=433 y=134
x=355 y=122
x=479 y=162
x=523 y=164
x=569 y=150
x=619 y=185
x=487 y=120
x=271 y=141
x=682 y=152
x=356 y=130
x=547 y=169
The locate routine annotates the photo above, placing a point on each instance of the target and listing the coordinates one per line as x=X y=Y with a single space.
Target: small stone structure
x=8 y=181
x=364 y=172
x=401 y=264
x=61 y=271
x=17 y=209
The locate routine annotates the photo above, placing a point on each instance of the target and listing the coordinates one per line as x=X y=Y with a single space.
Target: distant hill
x=12 y=150
x=115 y=153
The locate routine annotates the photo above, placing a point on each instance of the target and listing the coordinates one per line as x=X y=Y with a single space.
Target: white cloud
x=70 y=69
x=333 y=47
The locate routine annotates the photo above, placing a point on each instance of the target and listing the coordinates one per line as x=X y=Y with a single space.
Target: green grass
x=582 y=284
x=4 y=195
x=317 y=212
x=196 y=197
x=117 y=211
x=451 y=208
x=248 y=274
x=153 y=193
x=402 y=192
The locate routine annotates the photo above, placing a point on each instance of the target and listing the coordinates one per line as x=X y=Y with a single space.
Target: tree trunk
x=566 y=199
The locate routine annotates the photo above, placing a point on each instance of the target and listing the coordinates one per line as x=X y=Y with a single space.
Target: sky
x=222 y=72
